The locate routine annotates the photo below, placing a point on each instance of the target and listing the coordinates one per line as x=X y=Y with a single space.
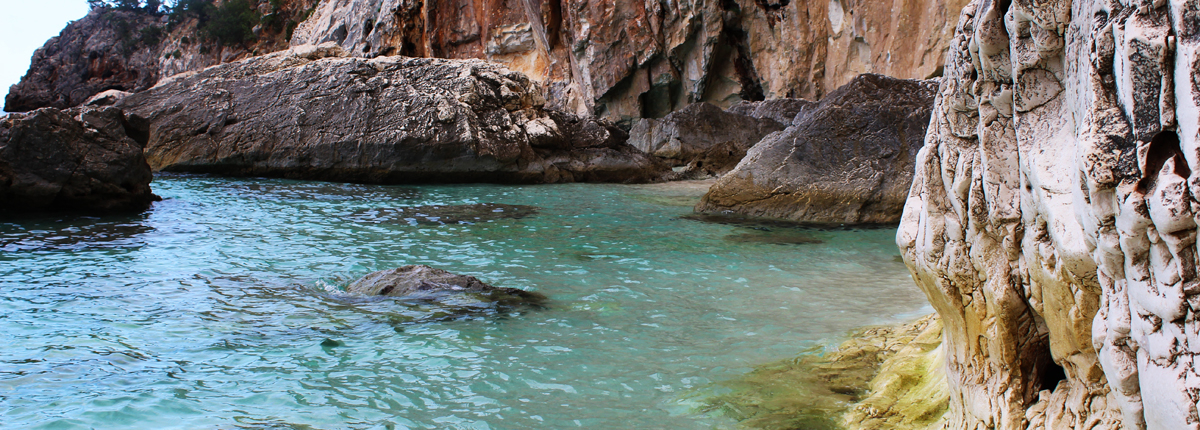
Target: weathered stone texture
x=1052 y=218
x=311 y=112
x=74 y=160
x=629 y=59
x=131 y=51
x=848 y=159
x=701 y=137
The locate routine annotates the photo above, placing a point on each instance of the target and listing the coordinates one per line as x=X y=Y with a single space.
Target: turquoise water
x=220 y=308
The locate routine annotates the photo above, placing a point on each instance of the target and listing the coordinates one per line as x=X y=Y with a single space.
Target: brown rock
x=702 y=137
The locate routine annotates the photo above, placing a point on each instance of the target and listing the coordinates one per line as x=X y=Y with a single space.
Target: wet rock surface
x=74 y=160
x=445 y=214
x=312 y=113
x=848 y=159
x=420 y=282
x=702 y=138
x=1052 y=218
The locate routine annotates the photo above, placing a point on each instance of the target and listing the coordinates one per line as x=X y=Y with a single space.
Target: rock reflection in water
x=73 y=233
x=444 y=214
x=774 y=238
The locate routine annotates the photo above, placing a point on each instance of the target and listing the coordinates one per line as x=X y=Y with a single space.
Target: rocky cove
x=1037 y=156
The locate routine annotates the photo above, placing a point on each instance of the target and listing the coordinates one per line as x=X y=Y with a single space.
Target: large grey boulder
x=313 y=113
x=77 y=160
x=848 y=160
x=702 y=137
x=427 y=283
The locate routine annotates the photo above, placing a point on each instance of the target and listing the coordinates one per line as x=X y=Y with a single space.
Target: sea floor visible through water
x=222 y=307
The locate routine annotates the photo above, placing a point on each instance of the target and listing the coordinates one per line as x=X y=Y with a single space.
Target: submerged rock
x=702 y=137
x=847 y=160
x=426 y=283
x=445 y=214
x=312 y=113
x=838 y=389
x=74 y=160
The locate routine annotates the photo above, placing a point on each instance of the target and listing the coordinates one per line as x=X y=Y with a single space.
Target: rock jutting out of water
x=75 y=160
x=848 y=159
x=312 y=113
x=444 y=214
x=419 y=282
x=1052 y=219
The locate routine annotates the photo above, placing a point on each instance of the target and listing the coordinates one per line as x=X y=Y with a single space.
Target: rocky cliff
x=311 y=112
x=1052 y=219
x=629 y=59
x=619 y=59
x=130 y=50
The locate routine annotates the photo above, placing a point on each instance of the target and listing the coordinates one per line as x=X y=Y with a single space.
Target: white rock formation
x=1052 y=220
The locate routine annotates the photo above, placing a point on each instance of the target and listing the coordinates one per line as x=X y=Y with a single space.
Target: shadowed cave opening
x=1163 y=147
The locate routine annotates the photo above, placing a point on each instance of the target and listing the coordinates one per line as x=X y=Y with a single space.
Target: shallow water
x=220 y=308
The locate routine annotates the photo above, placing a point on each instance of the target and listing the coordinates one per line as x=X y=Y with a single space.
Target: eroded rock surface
x=313 y=113
x=427 y=283
x=702 y=137
x=75 y=160
x=1052 y=219
x=625 y=59
x=848 y=159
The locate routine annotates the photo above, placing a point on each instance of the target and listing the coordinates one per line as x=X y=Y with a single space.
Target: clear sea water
x=221 y=308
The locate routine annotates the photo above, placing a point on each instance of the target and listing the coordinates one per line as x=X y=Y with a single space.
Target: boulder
x=313 y=113
x=783 y=111
x=701 y=136
x=848 y=160
x=74 y=160
x=1052 y=218
x=426 y=283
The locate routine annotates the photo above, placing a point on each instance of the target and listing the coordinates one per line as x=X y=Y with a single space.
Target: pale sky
x=25 y=25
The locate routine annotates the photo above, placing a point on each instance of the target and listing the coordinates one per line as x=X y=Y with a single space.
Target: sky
x=25 y=25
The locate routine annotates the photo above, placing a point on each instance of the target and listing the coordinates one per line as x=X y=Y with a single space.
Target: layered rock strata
x=1052 y=219
x=631 y=59
x=701 y=138
x=75 y=160
x=848 y=160
x=310 y=112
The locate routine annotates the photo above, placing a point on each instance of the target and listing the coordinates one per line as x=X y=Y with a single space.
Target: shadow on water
x=443 y=214
x=59 y=232
x=324 y=191
x=767 y=224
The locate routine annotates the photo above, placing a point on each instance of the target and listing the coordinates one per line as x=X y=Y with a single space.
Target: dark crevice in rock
x=1164 y=147
x=735 y=38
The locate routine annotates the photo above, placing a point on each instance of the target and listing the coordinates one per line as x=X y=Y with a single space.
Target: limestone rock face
x=131 y=51
x=75 y=160
x=848 y=159
x=626 y=59
x=702 y=137
x=1052 y=218
x=310 y=112
x=424 y=282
